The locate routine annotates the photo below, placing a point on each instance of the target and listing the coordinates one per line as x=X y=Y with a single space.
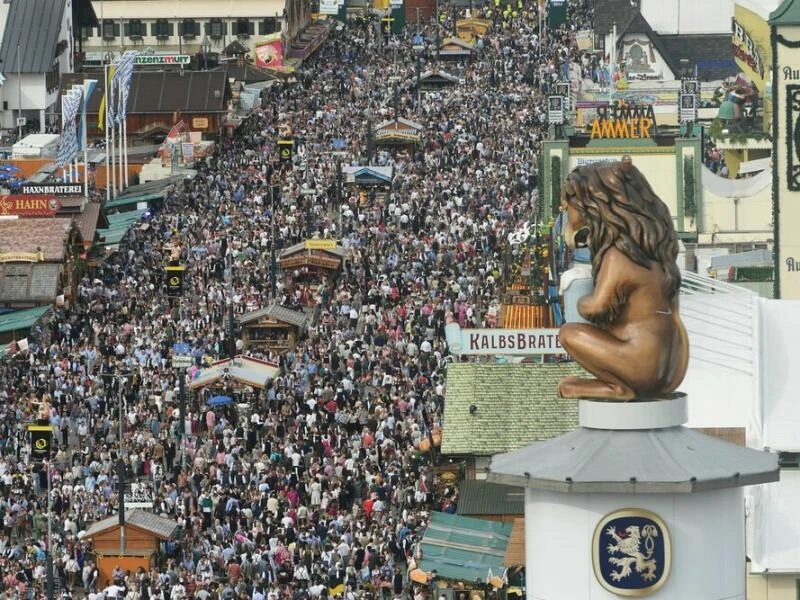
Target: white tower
x=633 y=504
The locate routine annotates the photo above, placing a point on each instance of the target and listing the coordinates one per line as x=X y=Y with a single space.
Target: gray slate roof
x=29 y=282
x=274 y=311
x=159 y=526
x=478 y=497
x=660 y=461
x=34 y=25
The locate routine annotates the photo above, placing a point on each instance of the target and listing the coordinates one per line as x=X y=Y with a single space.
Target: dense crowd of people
x=314 y=486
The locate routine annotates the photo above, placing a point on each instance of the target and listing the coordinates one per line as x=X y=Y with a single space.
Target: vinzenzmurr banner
x=514 y=342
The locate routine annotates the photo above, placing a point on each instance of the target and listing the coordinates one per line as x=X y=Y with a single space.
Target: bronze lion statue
x=635 y=344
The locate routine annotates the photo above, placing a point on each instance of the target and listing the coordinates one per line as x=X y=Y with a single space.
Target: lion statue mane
x=635 y=344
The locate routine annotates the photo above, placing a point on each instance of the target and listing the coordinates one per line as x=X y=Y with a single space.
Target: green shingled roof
x=516 y=404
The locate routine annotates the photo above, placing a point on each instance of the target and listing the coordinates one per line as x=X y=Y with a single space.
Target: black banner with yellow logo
x=175 y=281
x=285 y=150
x=41 y=441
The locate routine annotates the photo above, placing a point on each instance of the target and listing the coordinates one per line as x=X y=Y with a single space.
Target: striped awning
x=524 y=316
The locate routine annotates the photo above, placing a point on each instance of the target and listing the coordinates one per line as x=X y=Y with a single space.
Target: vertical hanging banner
x=285 y=150
x=175 y=280
x=41 y=441
x=269 y=51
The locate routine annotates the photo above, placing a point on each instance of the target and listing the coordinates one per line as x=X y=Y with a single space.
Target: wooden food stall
x=274 y=328
x=310 y=264
x=144 y=531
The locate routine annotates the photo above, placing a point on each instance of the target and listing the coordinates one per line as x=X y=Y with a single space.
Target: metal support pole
x=121 y=476
x=419 y=79
x=339 y=192
x=19 y=96
x=50 y=574
x=182 y=429
x=105 y=126
x=182 y=392
x=231 y=340
x=369 y=140
x=273 y=275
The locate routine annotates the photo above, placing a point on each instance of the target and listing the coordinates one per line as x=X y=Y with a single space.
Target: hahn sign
x=512 y=342
x=30 y=205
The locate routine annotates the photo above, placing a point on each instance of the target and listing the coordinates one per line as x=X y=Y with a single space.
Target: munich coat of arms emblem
x=631 y=552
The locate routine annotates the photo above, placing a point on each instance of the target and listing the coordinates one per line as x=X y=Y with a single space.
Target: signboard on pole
x=182 y=361
x=285 y=150
x=41 y=441
x=139 y=495
x=688 y=108
x=555 y=110
x=175 y=281
x=512 y=342
x=329 y=7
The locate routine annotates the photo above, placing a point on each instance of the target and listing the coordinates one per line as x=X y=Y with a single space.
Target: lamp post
x=231 y=339
x=121 y=473
x=370 y=141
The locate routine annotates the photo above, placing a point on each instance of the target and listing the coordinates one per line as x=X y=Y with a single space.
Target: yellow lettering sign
x=621 y=129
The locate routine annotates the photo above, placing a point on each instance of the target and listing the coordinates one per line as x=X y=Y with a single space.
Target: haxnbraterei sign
x=512 y=342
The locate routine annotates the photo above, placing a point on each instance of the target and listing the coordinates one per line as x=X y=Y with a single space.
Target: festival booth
x=456 y=49
x=38 y=257
x=472 y=27
x=436 y=79
x=144 y=533
x=244 y=370
x=311 y=264
x=273 y=328
x=398 y=132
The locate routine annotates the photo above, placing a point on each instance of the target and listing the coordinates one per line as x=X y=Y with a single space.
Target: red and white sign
x=29 y=205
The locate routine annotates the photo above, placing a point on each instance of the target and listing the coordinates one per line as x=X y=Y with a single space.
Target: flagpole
x=125 y=145
x=105 y=108
x=119 y=152
x=84 y=138
x=64 y=168
x=113 y=147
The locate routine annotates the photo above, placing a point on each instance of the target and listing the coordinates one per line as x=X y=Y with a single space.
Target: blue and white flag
x=122 y=77
x=70 y=105
x=88 y=89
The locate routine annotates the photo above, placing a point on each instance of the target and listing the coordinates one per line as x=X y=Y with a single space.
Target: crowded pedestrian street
x=319 y=485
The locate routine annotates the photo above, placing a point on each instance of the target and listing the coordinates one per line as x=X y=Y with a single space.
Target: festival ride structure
x=632 y=503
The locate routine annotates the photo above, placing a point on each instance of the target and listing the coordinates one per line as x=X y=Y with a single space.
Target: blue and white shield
x=631 y=552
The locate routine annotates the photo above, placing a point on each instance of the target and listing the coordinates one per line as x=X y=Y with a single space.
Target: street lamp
x=370 y=141
x=121 y=378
